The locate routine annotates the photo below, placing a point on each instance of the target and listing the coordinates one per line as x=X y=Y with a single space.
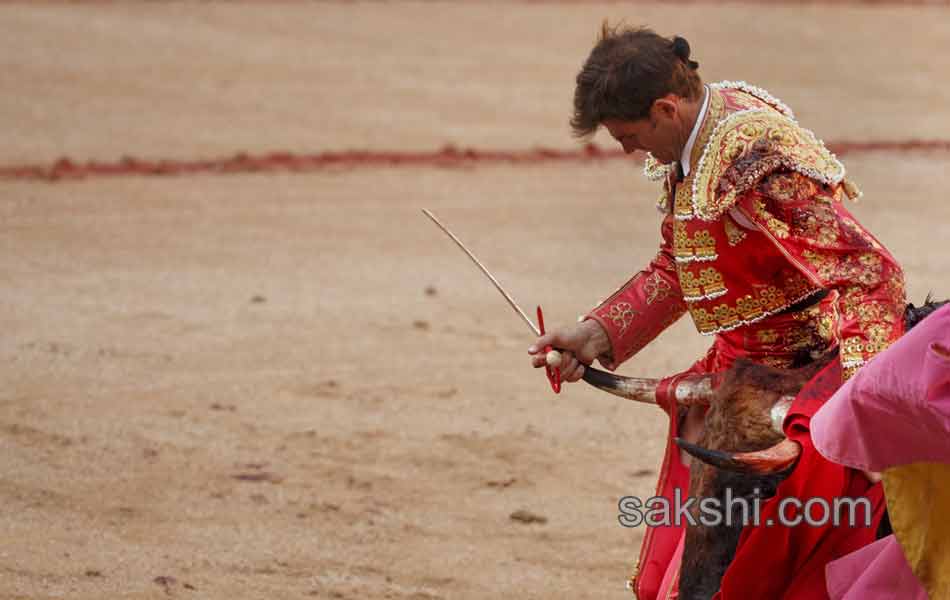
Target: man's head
x=642 y=87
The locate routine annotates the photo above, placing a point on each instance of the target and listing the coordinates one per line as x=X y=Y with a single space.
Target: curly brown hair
x=628 y=69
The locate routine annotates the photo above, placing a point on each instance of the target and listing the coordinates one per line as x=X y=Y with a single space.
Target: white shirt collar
x=688 y=148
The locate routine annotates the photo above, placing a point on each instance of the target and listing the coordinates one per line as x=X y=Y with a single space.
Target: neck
x=686 y=117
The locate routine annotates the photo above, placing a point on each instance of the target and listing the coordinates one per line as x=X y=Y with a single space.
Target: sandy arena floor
x=292 y=385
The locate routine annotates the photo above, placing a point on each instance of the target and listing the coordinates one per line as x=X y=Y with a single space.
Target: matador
x=759 y=248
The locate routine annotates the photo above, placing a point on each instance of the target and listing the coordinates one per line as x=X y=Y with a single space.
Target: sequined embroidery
x=705 y=285
x=701 y=246
x=750 y=308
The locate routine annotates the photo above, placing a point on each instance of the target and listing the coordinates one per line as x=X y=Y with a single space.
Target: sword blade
x=511 y=301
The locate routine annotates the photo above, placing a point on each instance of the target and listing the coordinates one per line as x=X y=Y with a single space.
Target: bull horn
x=693 y=389
x=632 y=388
x=778 y=413
x=696 y=389
x=779 y=458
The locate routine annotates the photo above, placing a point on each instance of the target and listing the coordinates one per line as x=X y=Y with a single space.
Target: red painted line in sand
x=449 y=156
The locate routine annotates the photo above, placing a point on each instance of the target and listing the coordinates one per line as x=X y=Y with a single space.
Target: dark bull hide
x=739 y=419
x=742 y=448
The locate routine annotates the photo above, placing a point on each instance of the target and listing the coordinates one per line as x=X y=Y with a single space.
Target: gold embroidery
x=851 y=299
x=777 y=227
x=725 y=315
x=776 y=361
x=622 y=315
x=818 y=221
x=826 y=327
x=702 y=246
x=816 y=331
x=807 y=314
x=827 y=236
x=708 y=283
x=749 y=307
x=895 y=291
x=656 y=288
x=870 y=260
x=805 y=338
x=765 y=141
x=852 y=351
x=809 y=226
x=874 y=311
x=865 y=268
x=823 y=265
x=712 y=281
x=705 y=322
x=878 y=339
x=869 y=269
x=734 y=233
x=811 y=332
x=767 y=300
x=788 y=187
x=848 y=372
x=690 y=285
x=682 y=206
x=875 y=319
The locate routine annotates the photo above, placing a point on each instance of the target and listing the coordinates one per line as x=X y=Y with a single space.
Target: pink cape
x=894 y=411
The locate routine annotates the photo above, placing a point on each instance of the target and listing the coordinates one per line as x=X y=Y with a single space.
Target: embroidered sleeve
x=809 y=224
x=643 y=307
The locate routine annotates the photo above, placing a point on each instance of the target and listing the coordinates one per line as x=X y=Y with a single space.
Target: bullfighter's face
x=663 y=132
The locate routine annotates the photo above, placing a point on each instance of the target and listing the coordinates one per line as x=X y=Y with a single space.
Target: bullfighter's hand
x=579 y=346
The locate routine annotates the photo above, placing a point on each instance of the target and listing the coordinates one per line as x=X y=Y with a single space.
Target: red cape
x=789 y=562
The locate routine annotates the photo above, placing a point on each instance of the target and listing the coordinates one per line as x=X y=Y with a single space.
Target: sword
x=478 y=263
x=553 y=372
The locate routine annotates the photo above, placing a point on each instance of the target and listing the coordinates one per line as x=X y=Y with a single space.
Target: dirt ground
x=293 y=385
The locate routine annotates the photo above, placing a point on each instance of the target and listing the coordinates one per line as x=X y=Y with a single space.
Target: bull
x=742 y=448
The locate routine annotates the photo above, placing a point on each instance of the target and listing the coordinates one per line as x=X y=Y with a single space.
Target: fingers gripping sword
x=553 y=358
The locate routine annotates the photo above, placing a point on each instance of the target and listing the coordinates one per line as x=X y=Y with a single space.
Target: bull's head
x=743 y=430
x=743 y=453
x=742 y=449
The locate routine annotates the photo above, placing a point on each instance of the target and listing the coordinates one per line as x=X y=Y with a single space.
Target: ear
x=664 y=108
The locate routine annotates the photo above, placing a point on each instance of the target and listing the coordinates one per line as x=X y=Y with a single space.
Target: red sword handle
x=554 y=373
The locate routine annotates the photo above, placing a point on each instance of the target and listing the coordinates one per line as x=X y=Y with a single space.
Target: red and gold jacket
x=757 y=227
x=756 y=231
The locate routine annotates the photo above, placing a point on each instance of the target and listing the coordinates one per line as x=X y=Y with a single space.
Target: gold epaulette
x=748 y=145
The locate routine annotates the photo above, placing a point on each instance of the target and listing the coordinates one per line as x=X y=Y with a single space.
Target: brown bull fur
x=737 y=420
